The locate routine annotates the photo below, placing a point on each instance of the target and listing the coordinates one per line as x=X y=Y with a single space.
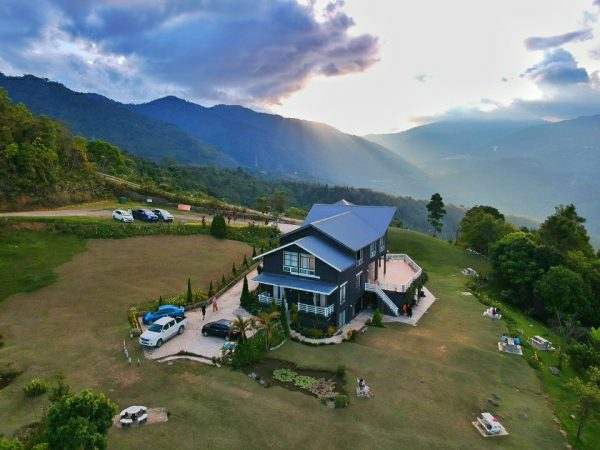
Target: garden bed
x=265 y=370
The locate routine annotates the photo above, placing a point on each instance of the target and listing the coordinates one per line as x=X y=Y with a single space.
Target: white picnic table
x=133 y=414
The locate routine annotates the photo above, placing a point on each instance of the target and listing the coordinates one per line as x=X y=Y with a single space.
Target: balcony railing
x=413 y=265
x=267 y=299
x=313 y=309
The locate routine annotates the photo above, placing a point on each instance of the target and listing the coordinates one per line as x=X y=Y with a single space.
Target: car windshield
x=155 y=327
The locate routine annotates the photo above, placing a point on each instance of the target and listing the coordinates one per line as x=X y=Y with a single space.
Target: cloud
x=543 y=43
x=239 y=51
x=558 y=67
x=422 y=77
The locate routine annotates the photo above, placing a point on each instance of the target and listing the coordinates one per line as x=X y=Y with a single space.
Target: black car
x=221 y=328
x=144 y=214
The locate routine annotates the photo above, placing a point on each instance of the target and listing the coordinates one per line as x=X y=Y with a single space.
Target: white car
x=162 y=330
x=122 y=215
x=165 y=216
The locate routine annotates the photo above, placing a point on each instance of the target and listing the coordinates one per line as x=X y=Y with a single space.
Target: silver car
x=122 y=215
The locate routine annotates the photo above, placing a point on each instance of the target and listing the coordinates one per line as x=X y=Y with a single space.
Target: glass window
x=358 y=280
x=290 y=262
x=359 y=257
x=382 y=243
x=307 y=264
x=373 y=249
x=343 y=293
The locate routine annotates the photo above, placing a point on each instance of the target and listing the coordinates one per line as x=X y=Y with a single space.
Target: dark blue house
x=326 y=265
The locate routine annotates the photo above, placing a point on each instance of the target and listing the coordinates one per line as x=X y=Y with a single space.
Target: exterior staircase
x=372 y=287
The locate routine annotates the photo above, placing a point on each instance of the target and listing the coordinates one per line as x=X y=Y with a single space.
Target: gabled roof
x=353 y=226
x=320 y=249
x=301 y=284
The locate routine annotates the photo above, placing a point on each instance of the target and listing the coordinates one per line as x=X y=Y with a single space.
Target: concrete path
x=357 y=324
x=191 y=340
x=418 y=311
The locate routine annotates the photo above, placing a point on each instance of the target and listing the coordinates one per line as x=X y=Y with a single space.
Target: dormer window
x=298 y=263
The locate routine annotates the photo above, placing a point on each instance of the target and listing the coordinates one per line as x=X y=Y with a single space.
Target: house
x=327 y=265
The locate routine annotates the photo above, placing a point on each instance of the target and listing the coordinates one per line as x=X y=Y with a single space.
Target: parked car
x=163 y=311
x=163 y=215
x=145 y=214
x=220 y=328
x=162 y=330
x=122 y=215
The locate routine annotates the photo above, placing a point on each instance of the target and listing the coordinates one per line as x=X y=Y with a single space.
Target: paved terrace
x=418 y=310
x=400 y=273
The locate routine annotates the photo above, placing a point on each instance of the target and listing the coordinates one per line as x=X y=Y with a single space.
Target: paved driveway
x=192 y=340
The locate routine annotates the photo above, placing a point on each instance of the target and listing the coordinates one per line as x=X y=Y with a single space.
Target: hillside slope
x=96 y=117
x=280 y=144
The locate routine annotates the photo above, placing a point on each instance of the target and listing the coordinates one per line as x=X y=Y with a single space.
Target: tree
x=217 y=227
x=562 y=291
x=14 y=444
x=267 y=324
x=565 y=231
x=436 y=213
x=107 y=157
x=588 y=394
x=190 y=297
x=211 y=290
x=242 y=325
x=279 y=201
x=79 y=421
x=482 y=226
x=262 y=204
x=245 y=296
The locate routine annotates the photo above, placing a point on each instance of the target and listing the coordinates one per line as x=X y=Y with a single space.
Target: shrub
x=294 y=316
x=341 y=401
x=249 y=351
x=35 y=387
x=377 y=320
x=189 y=297
x=217 y=227
x=211 y=290
x=582 y=357
x=331 y=330
x=285 y=327
x=233 y=270
x=313 y=333
x=341 y=371
x=14 y=444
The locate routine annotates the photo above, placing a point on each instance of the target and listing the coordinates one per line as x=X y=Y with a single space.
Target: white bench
x=541 y=344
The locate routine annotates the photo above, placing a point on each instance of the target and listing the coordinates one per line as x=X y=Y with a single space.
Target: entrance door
x=342 y=318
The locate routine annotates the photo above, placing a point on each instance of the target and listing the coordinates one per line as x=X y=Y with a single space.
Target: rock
x=525 y=416
x=573 y=416
x=556 y=421
x=262 y=382
x=563 y=432
x=554 y=370
x=569 y=447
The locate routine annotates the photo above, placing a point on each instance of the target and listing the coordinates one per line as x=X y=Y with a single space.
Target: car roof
x=163 y=320
x=163 y=307
x=221 y=322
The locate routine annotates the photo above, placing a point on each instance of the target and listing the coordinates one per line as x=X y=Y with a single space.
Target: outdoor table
x=133 y=411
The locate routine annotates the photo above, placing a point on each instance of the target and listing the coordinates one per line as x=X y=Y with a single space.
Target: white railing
x=413 y=265
x=313 y=309
x=372 y=287
x=267 y=299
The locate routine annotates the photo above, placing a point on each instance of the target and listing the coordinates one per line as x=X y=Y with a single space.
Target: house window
x=359 y=257
x=298 y=263
x=343 y=293
x=382 y=243
x=358 y=280
x=373 y=249
x=307 y=264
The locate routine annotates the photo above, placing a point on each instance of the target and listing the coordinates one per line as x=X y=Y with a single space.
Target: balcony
x=401 y=271
x=325 y=311
x=267 y=299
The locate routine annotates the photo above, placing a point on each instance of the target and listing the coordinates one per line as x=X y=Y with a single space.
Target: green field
x=430 y=381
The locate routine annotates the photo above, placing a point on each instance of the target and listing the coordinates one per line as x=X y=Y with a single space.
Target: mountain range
x=523 y=167
x=224 y=136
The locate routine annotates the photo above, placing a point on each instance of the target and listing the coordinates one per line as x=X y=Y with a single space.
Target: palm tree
x=267 y=324
x=242 y=325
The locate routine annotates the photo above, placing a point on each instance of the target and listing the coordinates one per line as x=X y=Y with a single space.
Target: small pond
x=266 y=368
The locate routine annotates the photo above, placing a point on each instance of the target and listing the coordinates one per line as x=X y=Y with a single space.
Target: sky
x=363 y=66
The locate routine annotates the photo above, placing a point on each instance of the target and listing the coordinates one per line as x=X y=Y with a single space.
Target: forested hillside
x=40 y=162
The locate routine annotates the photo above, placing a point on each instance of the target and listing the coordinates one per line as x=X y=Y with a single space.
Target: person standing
x=203 y=308
x=215 y=306
x=409 y=311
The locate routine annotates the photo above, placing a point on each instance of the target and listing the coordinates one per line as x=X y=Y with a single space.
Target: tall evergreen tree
x=190 y=297
x=436 y=213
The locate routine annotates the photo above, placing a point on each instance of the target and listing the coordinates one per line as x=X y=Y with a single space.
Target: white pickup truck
x=162 y=330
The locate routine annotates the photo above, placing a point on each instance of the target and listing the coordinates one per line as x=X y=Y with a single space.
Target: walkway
x=418 y=311
x=357 y=324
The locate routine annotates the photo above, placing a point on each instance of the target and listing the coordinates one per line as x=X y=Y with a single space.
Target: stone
x=563 y=432
x=573 y=416
x=554 y=370
x=525 y=416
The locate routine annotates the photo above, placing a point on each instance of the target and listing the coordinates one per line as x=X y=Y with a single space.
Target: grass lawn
x=430 y=381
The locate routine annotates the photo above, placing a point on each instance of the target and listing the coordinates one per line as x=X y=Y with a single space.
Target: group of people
x=407 y=309
x=212 y=301
x=495 y=313
x=504 y=338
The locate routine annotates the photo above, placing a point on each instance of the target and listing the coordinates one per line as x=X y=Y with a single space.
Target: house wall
x=273 y=263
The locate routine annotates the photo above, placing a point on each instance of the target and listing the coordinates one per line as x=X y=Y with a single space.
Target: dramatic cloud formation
x=557 y=67
x=255 y=53
x=543 y=43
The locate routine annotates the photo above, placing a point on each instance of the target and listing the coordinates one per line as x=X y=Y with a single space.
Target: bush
x=285 y=327
x=249 y=351
x=331 y=330
x=217 y=227
x=582 y=357
x=341 y=371
x=341 y=401
x=377 y=320
x=313 y=333
x=294 y=316
x=15 y=444
x=35 y=388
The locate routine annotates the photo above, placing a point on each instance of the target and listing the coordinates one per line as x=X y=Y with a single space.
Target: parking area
x=192 y=341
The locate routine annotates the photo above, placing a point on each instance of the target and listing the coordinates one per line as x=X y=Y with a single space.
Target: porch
x=397 y=274
x=326 y=311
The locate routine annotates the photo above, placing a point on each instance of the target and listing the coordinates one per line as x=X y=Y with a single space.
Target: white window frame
x=359 y=257
x=359 y=280
x=343 y=293
x=288 y=257
x=373 y=249
x=306 y=258
x=293 y=263
x=382 y=243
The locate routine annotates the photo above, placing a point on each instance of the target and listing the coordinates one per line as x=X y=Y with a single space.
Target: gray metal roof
x=301 y=284
x=321 y=250
x=353 y=226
